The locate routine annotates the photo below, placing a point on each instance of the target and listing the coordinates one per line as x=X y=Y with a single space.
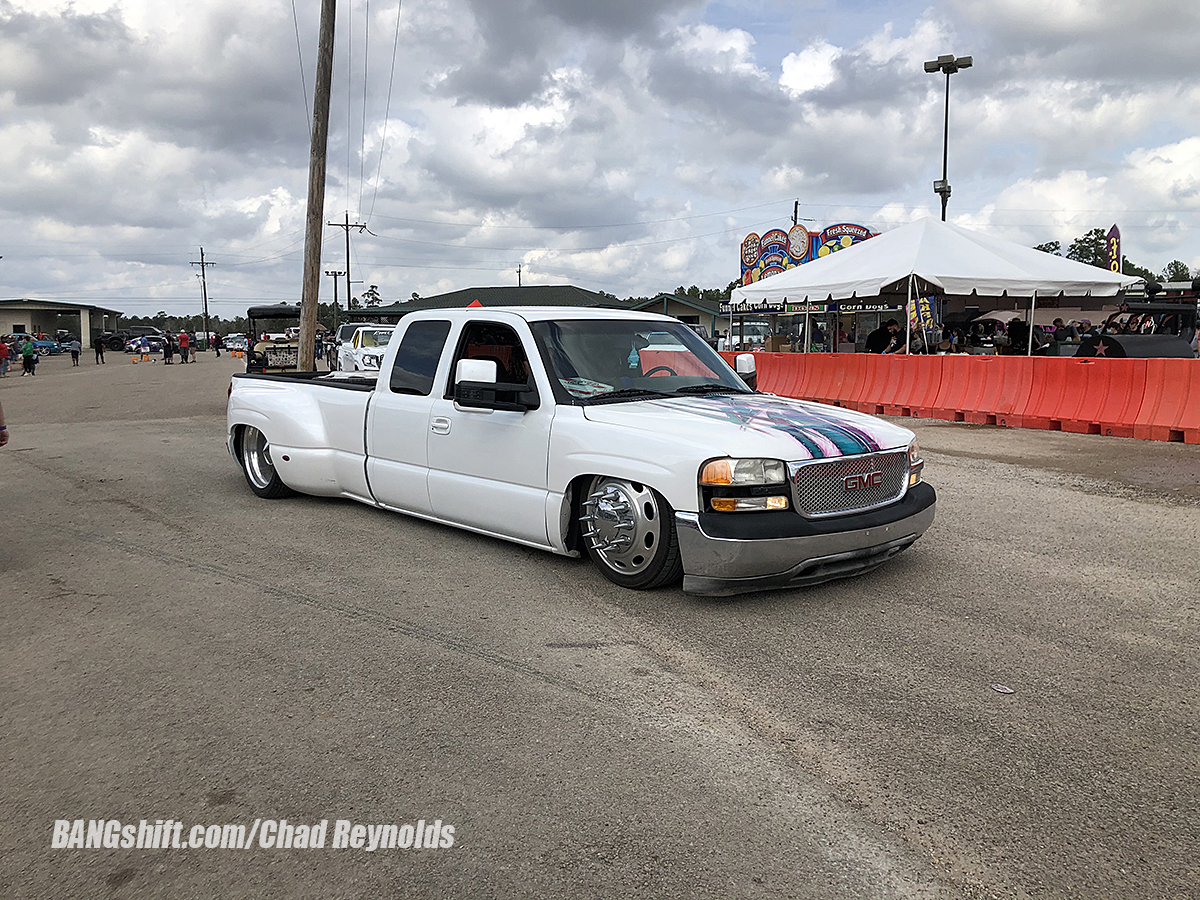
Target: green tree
x=1131 y=268
x=1176 y=270
x=371 y=296
x=1090 y=248
x=1054 y=247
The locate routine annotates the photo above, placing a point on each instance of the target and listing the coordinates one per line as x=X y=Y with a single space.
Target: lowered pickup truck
x=619 y=434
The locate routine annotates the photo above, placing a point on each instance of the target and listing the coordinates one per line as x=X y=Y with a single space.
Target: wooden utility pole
x=306 y=358
x=204 y=291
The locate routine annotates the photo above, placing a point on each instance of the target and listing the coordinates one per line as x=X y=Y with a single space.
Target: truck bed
x=347 y=381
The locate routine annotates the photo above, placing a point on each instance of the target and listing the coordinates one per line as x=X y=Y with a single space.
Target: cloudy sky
x=620 y=145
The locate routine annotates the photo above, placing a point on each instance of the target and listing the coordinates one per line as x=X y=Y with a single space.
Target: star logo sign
x=1101 y=348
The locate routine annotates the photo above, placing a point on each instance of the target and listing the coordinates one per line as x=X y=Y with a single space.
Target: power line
x=362 y=141
x=387 y=109
x=690 y=237
x=303 y=83
x=582 y=227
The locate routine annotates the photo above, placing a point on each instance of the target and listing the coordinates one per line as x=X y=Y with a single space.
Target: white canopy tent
x=953 y=259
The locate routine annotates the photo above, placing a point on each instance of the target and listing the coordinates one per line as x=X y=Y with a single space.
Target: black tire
x=258 y=467
x=116 y=345
x=629 y=531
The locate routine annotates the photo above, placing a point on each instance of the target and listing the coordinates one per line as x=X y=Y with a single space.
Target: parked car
x=234 y=341
x=154 y=341
x=565 y=429
x=341 y=335
x=43 y=347
x=364 y=351
x=119 y=339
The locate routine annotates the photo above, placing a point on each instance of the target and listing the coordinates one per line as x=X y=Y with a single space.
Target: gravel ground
x=173 y=647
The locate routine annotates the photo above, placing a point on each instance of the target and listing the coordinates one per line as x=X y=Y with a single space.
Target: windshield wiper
x=624 y=394
x=710 y=388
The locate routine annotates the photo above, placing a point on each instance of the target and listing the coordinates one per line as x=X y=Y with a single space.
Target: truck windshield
x=376 y=338
x=611 y=360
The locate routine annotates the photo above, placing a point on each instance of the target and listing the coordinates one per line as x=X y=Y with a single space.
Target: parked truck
x=618 y=434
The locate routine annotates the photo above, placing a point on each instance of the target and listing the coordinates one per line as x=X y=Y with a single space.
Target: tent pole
x=804 y=340
x=1032 y=307
x=908 y=311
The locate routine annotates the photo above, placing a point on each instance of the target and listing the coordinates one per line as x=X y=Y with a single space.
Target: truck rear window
x=417 y=357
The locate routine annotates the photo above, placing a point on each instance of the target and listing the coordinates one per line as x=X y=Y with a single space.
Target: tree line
x=1092 y=248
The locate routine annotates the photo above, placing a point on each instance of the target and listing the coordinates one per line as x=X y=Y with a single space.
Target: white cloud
x=811 y=69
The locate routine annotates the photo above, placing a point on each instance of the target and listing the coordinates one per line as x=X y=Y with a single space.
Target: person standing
x=168 y=350
x=28 y=357
x=215 y=342
x=98 y=343
x=4 y=354
x=883 y=338
x=183 y=346
x=3 y=428
x=75 y=347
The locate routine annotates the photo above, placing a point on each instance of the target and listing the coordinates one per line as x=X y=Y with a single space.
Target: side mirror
x=744 y=365
x=476 y=387
x=480 y=371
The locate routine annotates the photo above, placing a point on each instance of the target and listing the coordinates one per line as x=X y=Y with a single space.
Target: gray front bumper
x=718 y=567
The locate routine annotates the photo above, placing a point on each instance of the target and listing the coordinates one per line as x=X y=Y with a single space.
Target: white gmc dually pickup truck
x=617 y=433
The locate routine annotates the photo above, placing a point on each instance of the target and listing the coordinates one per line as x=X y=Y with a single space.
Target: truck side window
x=495 y=342
x=417 y=358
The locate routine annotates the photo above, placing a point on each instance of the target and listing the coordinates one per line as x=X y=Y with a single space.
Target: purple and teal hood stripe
x=822 y=432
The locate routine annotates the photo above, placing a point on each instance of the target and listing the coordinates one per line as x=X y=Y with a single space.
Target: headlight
x=744 y=472
x=744 y=485
x=915 y=463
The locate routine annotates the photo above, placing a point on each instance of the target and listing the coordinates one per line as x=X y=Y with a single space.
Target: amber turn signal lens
x=748 y=504
x=718 y=471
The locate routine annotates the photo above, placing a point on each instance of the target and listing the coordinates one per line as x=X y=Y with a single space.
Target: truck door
x=487 y=468
x=398 y=420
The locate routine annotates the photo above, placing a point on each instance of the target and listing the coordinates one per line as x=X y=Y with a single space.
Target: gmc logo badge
x=855 y=482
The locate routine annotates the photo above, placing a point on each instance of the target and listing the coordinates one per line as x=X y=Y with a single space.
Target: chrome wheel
x=256 y=456
x=622 y=524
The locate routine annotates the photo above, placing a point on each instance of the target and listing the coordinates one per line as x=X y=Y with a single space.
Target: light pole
x=949 y=65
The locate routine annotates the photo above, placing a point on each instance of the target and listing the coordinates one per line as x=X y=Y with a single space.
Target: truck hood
x=757 y=425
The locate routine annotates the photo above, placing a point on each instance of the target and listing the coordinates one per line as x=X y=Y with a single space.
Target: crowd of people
x=994 y=336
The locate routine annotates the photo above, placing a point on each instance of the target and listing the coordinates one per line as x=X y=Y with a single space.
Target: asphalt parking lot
x=173 y=647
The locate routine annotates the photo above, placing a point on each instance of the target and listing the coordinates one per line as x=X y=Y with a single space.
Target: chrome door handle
x=440 y=425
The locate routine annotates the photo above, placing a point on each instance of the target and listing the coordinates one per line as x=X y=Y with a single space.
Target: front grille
x=831 y=487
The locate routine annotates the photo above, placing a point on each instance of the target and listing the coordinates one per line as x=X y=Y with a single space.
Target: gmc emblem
x=855 y=482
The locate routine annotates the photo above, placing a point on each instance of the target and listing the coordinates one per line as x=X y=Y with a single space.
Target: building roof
x=533 y=295
x=548 y=313
x=712 y=307
x=58 y=304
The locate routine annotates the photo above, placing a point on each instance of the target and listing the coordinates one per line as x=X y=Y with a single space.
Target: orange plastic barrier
x=1015 y=388
x=1169 y=410
x=1157 y=399
x=985 y=383
x=877 y=370
x=949 y=403
x=898 y=390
